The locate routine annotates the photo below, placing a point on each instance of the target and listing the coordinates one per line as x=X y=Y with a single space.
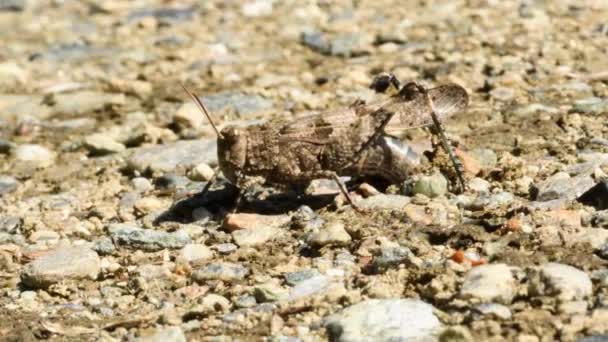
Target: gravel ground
x=105 y=236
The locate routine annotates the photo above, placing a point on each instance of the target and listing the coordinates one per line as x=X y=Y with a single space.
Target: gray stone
x=596 y=338
x=141 y=184
x=13 y=5
x=293 y=278
x=224 y=271
x=269 y=292
x=431 y=186
x=257 y=8
x=562 y=186
x=104 y=246
x=384 y=201
x=226 y=248
x=383 y=321
x=502 y=94
x=315 y=41
x=479 y=185
x=168 y=334
x=83 y=102
x=164 y=15
x=74 y=52
x=10 y=224
x=489 y=283
x=283 y=338
x=344 y=45
x=242 y=104
x=101 y=144
x=5 y=146
x=245 y=301
x=7 y=184
x=255 y=236
x=176 y=157
x=564 y=282
x=68 y=263
x=486 y=157
x=310 y=286
x=146 y=239
x=390 y=257
x=591 y=105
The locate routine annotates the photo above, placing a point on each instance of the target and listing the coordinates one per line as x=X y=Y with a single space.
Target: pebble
x=564 y=282
x=46 y=237
x=502 y=94
x=489 y=283
x=269 y=292
x=35 y=154
x=141 y=184
x=333 y=233
x=240 y=103
x=494 y=310
x=562 y=186
x=196 y=252
x=13 y=5
x=316 y=41
x=165 y=334
x=101 y=144
x=104 y=246
x=244 y=221
x=10 y=224
x=309 y=287
x=479 y=185
x=431 y=186
x=66 y=263
x=224 y=271
x=82 y=102
x=201 y=172
x=384 y=201
x=8 y=184
x=177 y=157
x=255 y=237
x=257 y=8
x=384 y=320
x=391 y=257
x=149 y=240
x=225 y=248
x=293 y=278
x=591 y=105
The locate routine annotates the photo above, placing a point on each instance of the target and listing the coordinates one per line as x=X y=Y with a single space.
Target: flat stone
x=240 y=221
x=591 y=105
x=332 y=234
x=562 y=186
x=146 y=239
x=564 y=282
x=240 y=103
x=8 y=184
x=196 y=252
x=595 y=237
x=489 y=283
x=293 y=278
x=102 y=144
x=269 y=292
x=311 y=286
x=177 y=157
x=383 y=321
x=257 y=8
x=255 y=237
x=384 y=201
x=68 y=263
x=494 y=310
x=391 y=257
x=83 y=102
x=35 y=154
x=224 y=271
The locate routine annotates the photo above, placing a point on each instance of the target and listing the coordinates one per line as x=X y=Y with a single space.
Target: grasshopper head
x=232 y=152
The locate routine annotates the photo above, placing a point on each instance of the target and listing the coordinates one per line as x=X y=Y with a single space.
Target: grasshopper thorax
x=232 y=152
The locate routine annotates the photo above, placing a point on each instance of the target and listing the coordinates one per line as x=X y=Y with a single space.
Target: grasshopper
x=356 y=141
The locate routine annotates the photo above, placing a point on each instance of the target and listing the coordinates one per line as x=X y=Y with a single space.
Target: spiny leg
x=445 y=141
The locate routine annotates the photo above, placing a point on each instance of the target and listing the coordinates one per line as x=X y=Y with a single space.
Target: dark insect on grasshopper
x=356 y=141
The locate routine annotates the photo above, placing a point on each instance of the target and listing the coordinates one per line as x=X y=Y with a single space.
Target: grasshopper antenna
x=203 y=109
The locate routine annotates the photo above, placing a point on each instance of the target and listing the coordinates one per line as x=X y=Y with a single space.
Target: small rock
x=494 y=310
x=469 y=163
x=245 y=301
x=479 y=185
x=563 y=282
x=35 y=154
x=255 y=237
x=104 y=246
x=68 y=263
x=241 y=104
x=333 y=234
x=594 y=237
x=148 y=205
x=431 y=186
x=212 y=303
x=486 y=158
x=257 y=8
x=82 y=102
x=189 y=116
x=293 y=278
x=315 y=41
x=345 y=45
x=562 y=186
x=225 y=248
x=391 y=257
x=591 y=105
x=10 y=224
x=165 y=334
x=201 y=172
x=164 y=15
x=269 y=292
x=146 y=239
x=384 y=320
x=220 y=271
x=101 y=144
x=487 y=283
x=47 y=237
x=240 y=221
x=310 y=286
x=384 y=201
x=175 y=157
x=13 y=5
x=141 y=184
x=502 y=94
x=196 y=252
x=8 y=184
